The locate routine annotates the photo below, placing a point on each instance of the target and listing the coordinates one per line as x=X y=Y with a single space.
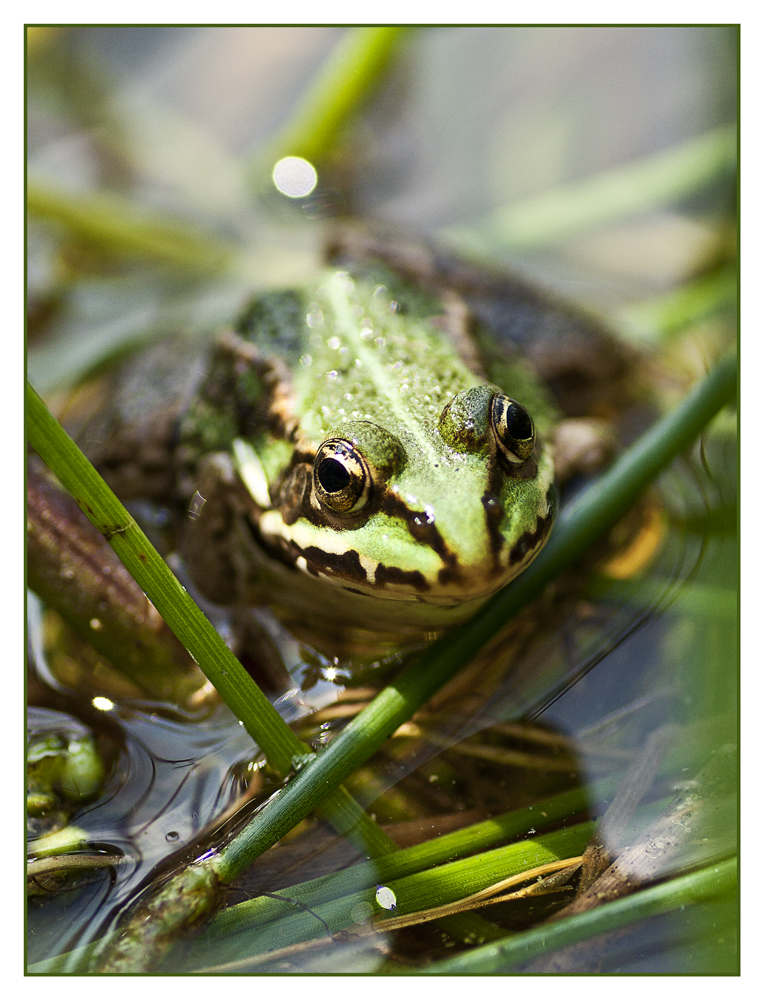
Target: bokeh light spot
x=295 y=177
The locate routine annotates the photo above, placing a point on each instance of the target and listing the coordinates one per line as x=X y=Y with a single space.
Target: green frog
x=372 y=455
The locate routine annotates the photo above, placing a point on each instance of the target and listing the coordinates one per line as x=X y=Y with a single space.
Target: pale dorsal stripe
x=387 y=385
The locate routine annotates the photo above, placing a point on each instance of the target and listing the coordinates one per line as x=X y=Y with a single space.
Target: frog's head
x=436 y=512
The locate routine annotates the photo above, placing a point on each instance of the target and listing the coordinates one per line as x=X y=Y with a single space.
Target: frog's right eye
x=341 y=477
x=513 y=429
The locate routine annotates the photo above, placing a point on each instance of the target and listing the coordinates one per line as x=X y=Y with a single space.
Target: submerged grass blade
x=711 y=882
x=408 y=861
x=493 y=893
x=422 y=890
x=591 y=515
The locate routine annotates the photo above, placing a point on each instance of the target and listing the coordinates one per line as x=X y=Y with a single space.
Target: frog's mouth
x=442 y=579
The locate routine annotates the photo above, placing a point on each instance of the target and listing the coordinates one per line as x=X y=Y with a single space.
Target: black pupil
x=518 y=422
x=333 y=475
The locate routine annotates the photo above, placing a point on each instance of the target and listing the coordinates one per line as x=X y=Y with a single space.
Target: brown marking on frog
x=395 y=575
x=530 y=540
x=423 y=529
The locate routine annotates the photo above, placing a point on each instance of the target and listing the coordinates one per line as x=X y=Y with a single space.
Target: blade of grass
x=642 y=185
x=422 y=890
x=344 y=81
x=448 y=847
x=708 y=883
x=666 y=315
x=116 y=225
x=495 y=892
x=253 y=913
x=593 y=513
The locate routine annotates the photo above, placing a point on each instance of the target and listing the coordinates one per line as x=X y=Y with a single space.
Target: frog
x=371 y=456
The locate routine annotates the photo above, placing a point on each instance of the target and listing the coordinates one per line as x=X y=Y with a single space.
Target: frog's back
x=570 y=352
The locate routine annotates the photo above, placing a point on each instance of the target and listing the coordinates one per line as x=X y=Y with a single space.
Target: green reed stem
x=344 y=81
x=421 y=890
x=408 y=861
x=101 y=506
x=706 y=884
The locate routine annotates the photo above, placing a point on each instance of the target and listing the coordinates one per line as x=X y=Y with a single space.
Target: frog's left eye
x=513 y=429
x=341 y=477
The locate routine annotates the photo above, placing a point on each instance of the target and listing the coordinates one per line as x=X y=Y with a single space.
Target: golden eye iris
x=341 y=477
x=513 y=429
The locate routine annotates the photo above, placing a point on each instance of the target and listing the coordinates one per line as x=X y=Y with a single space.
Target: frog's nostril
x=494 y=510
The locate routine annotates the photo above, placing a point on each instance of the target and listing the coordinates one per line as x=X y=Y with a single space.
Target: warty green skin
x=449 y=520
